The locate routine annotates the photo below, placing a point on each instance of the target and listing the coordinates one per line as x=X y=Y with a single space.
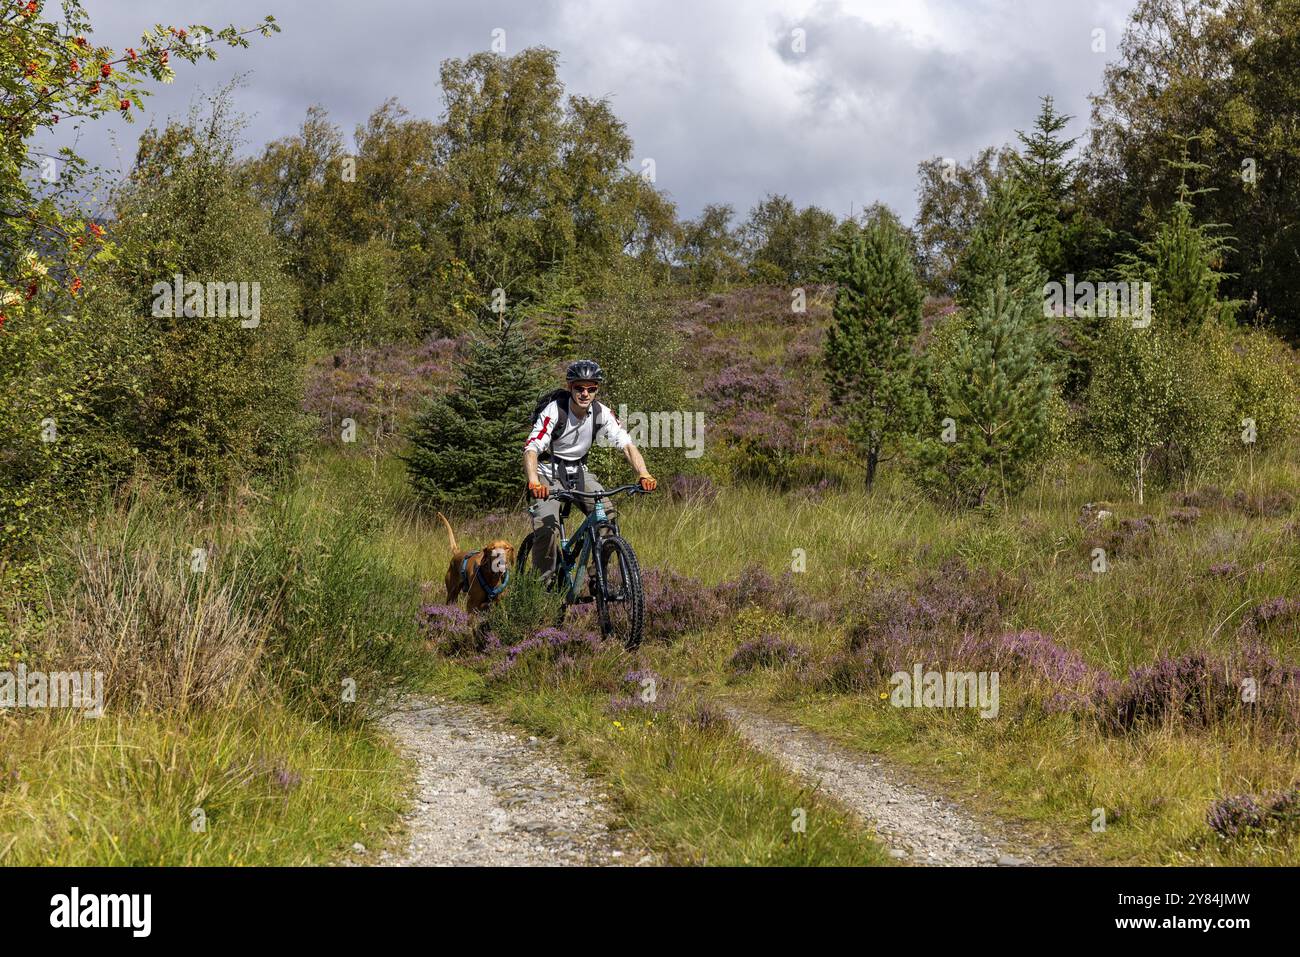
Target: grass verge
x=256 y=785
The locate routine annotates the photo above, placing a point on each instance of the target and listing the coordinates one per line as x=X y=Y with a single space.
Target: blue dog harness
x=491 y=592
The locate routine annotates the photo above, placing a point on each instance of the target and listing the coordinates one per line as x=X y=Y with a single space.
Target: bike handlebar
x=562 y=494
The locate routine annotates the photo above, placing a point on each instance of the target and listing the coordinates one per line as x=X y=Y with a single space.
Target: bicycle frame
x=575 y=551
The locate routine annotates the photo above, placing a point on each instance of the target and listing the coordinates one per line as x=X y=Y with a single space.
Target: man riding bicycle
x=566 y=426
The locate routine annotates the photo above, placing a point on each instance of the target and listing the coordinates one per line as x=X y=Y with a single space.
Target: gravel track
x=918 y=827
x=486 y=795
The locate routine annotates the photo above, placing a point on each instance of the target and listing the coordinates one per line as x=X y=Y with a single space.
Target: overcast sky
x=714 y=91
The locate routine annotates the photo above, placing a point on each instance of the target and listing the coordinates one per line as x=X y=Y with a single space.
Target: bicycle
x=615 y=587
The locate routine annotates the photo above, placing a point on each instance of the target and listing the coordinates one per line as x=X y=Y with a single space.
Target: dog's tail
x=451 y=536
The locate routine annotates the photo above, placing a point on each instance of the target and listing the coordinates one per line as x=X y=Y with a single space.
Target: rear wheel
x=525 y=554
x=620 y=605
x=523 y=563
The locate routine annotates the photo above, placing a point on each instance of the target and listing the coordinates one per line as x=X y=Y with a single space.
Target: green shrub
x=875 y=377
x=1159 y=408
x=1264 y=385
x=366 y=304
x=72 y=380
x=222 y=393
x=628 y=330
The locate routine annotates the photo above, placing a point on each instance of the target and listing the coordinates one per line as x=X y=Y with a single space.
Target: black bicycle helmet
x=584 y=370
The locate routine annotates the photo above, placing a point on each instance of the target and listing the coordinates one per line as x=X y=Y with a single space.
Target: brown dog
x=484 y=574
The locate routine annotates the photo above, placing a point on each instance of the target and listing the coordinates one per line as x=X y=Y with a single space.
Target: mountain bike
x=596 y=566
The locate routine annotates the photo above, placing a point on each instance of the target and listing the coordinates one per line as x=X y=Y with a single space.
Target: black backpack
x=561 y=397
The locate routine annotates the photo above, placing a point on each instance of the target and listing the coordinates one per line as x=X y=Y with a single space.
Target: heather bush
x=378 y=388
x=1201 y=497
x=1131 y=538
x=759 y=377
x=1249 y=815
x=676 y=604
x=1037 y=654
x=1236 y=816
x=847 y=672
x=950 y=618
x=953 y=600
x=755 y=587
x=447 y=629
x=1192 y=690
x=549 y=654
x=1266 y=616
x=1264 y=503
x=753 y=415
x=706 y=717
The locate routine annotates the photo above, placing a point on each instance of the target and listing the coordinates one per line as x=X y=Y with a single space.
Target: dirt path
x=918 y=827
x=488 y=796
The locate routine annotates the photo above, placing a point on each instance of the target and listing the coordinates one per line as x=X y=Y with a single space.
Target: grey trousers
x=546 y=522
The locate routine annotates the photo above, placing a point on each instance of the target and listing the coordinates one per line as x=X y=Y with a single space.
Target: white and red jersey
x=576 y=438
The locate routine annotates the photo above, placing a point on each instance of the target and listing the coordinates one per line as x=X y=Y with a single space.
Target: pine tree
x=1002 y=247
x=1069 y=239
x=1184 y=257
x=871 y=368
x=1048 y=176
x=466 y=445
x=994 y=400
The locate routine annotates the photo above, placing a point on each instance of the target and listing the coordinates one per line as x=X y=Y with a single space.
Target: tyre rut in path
x=918 y=827
x=485 y=795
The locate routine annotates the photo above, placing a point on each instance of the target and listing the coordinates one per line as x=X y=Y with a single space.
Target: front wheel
x=620 y=605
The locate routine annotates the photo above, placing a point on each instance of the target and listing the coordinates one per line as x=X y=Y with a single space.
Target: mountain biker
x=562 y=435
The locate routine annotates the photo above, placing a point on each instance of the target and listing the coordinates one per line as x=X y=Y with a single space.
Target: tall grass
x=245 y=645
x=343 y=639
x=164 y=639
x=1184 y=583
x=254 y=785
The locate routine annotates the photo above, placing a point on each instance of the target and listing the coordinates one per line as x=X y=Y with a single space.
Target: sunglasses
x=585 y=389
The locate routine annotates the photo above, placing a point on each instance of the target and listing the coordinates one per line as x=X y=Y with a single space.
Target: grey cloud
x=711 y=91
